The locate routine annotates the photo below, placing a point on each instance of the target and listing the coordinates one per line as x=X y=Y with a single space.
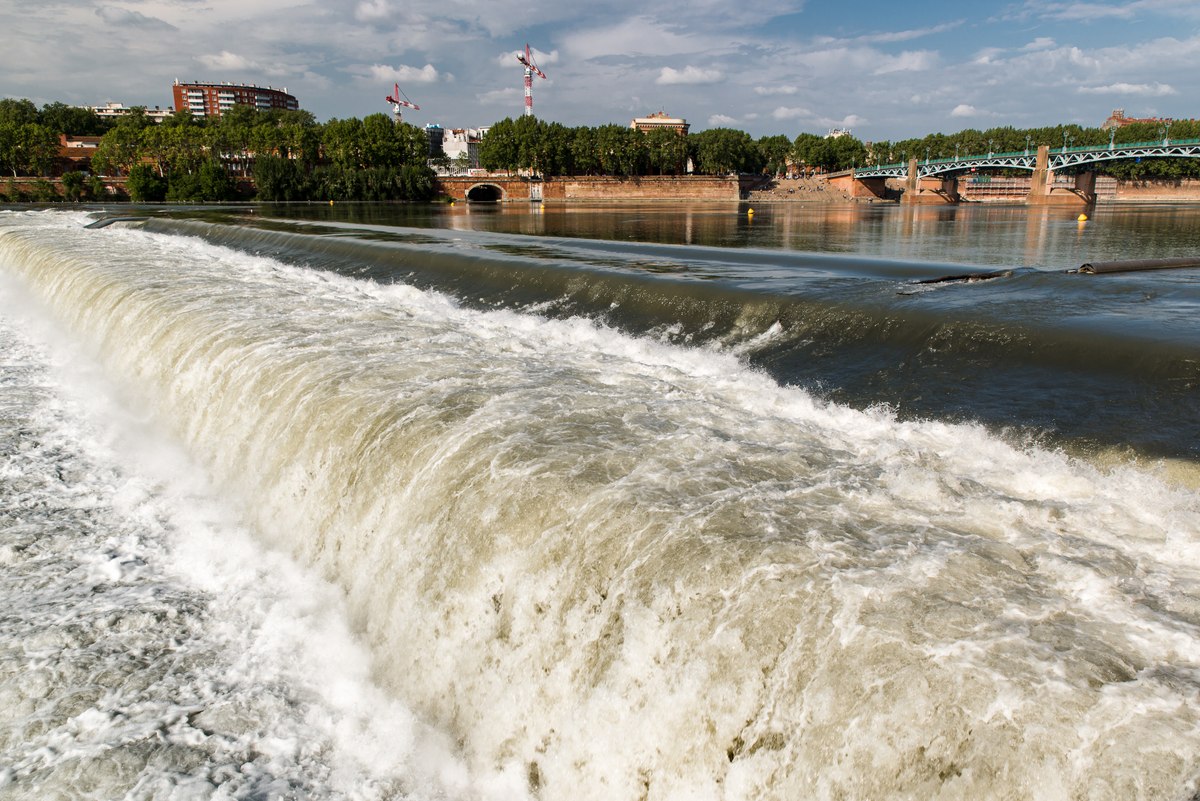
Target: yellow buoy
x=750 y=213
x=1082 y=218
x=331 y=203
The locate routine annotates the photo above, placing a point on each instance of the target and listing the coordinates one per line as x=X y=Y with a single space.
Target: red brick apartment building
x=212 y=99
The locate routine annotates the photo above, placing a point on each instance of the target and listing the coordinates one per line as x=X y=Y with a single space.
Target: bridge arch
x=485 y=193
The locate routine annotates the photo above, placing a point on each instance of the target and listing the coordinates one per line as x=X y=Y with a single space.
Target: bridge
x=935 y=180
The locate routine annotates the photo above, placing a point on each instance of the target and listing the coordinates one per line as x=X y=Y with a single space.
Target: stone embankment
x=799 y=190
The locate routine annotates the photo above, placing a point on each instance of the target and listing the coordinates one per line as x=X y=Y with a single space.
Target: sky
x=885 y=70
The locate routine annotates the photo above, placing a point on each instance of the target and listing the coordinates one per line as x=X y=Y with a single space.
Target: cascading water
x=611 y=567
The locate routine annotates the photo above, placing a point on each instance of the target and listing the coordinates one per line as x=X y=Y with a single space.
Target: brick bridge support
x=860 y=187
x=928 y=191
x=1043 y=192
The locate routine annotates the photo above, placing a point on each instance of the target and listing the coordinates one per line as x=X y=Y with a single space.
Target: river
x=599 y=502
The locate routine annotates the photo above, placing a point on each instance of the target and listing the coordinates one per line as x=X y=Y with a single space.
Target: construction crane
x=530 y=68
x=398 y=99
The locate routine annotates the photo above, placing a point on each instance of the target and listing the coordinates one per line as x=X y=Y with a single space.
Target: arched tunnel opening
x=485 y=193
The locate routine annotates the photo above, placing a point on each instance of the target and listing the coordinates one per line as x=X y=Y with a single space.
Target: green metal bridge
x=1058 y=159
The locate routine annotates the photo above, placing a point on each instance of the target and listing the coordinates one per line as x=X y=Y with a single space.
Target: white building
x=114 y=111
x=461 y=147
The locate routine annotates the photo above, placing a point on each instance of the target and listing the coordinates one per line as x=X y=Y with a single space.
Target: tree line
x=285 y=155
x=550 y=148
x=288 y=155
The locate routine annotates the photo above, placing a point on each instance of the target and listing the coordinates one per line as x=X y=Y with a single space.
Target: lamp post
x=990 y=147
x=926 y=155
x=1027 y=138
x=1112 y=138
x=1064 y=142
x=956 y=151
x=1167 y=131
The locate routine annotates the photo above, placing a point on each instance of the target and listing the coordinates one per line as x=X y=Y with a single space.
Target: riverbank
x=754 y=189
x=799 y=190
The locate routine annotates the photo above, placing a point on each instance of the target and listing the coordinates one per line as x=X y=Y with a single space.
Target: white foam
x=267 y=665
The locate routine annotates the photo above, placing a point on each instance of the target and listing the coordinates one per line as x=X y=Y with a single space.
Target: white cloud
x=497 y=96
x=226 y=61
x=688 y=76
x=908 y=61
x=721 y=120
x=904 y=36
x=402 y=73
x=1093 y=11
x=131 y=19
x=638 y=36
x=988 y=55
x=964 y=110
x=509 y=57
x=371 y=10
x=775 y=90
x=1040 y=43
x=1144 y=89
x=796 y=113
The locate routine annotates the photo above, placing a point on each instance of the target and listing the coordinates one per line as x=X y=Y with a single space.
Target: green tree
x=73 y=185
x=145 y=185
x=96 y=188
x=17 y=112
x=344 y=143
x=416 y=182
x=846 y=152
x=27 y=148
x=585 y=152
x=499 y=149
x=44 y=192
x=724 y=150
x=666 y=151
x=216 y=184
x=279 y=179
x=810 y=151
x=121 y=147
x=774 y=151
x=383 y=143
x=72 y=120
x=621 y=150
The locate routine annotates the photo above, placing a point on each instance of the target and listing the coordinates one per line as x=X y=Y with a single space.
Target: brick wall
x=651 y=187
x=1160 y=189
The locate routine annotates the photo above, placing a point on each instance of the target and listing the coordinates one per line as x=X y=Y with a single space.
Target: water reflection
x=999 y=235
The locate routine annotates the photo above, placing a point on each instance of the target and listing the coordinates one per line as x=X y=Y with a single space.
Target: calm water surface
x=997 y=235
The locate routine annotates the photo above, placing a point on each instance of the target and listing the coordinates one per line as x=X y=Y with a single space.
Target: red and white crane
x=530 y=68
x=399 y=100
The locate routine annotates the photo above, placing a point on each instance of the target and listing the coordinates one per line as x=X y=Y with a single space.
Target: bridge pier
x=860 y=187
x=1043 y=192
x=928 y=191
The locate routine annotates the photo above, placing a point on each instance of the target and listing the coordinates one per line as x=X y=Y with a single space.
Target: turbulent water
x=320 y=511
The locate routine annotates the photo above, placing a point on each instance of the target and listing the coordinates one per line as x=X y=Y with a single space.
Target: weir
x=611 y=567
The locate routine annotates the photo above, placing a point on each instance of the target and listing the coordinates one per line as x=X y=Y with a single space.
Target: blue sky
x=886 y=70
